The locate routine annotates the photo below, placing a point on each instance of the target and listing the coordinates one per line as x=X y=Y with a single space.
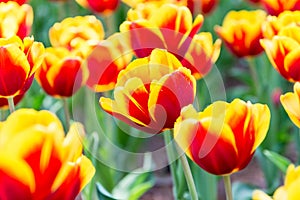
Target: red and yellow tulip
x=241 y=32
x=62 y=72
x=283 y=52
x=19 y=61
x=106 y=60
x=146 y=3
x=99 y=6
x=291 y=103
x=289 y=191
x=20 y=2
x=223 y=138
x=202 y=6
x=275 y=7
x=149 y=92
x=38 y=161
x=15 y=19
x=74 y=32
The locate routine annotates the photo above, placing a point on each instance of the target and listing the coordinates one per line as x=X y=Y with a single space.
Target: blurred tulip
x=4 y=101
x=241 y=32
x=275 y=7
x=38 y=161
x=62 y=72
x=73 y=32
x=19 y=61
x=283 y=52
x=15 y=19
x=290 y=189
x=273 y=24
x=202 y=6
x=99 y=6
x=149 y=92
x=168 y=27
x=223 y=138
x=290 y=102
x=105 y=62
x=20 y=2
x=136 y=3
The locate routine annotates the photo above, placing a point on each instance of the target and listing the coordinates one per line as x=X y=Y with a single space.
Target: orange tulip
x=15 y=19
x=222 y=139
x=149 y=92
x=73 y=32
x=275 y=7
x=38 y=161
x=106 y=60
x=62 y=72
x=291 y=103
x=283 y=52
x=241 y=32
x=99 y=6
x=169 y=27
x=19 y=61
x=203 y=6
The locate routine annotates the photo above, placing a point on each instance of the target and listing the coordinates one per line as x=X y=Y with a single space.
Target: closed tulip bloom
x=99 y=6
x=106 y=61
x=288 y=191
x=38 y=161
x=136 y=3
x=62 y=73
x=20 y=2
x=291 y=103
x=15 y=19
x=19 y=61
x=275 y=7
x=203 y=6
x=223 y=138
x=283 y=52
x=169 y=27
x=151 y=91
x=241 y=32
x=73 y=31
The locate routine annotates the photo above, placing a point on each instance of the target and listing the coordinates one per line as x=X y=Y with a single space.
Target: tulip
x=290 y=102
x=169 y=26
x=4 y=101
x=99 y=6
x=19 y=61
x=15 y=19
x=275 y=7
x=62 y=73
x=283 y=52
x=38 y=161
x=241 y=32
x=151 y=91
x=73 y=32
x=223 y=138
x=136 y=3
x=290 y=189
x=204 y=6
x=20 y=2
x=106 y=61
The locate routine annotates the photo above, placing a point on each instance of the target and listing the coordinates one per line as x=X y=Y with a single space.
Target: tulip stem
x=67 y=113
x=189 y=177
x=254 y=75
x=11 y=104
x=228 y=188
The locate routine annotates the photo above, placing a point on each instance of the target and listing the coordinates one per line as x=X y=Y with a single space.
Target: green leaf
x=103 y=194
x=280 y=161
x=139 y=190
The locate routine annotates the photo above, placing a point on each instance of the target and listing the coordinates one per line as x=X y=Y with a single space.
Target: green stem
x=171 y=159
x=11 y=104
x=2 y=114
x=67 y=113
x=228 y=189
x=189 y=177
x=109 y=20
x=254 y=75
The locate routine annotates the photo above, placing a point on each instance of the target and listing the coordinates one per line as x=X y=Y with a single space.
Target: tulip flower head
x=38 y=161
x=99 y=6
x=62 y=72
x=20 y=2
x=202 y=6
x=19 y=61
x=151 y=91
x=16 y=19
x=290 y=189
x=291 y=103
x=73 y=32
x=223 y=138
x=275 y=7
x=241 y=32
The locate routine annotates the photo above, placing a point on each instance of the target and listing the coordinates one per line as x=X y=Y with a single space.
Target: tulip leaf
x=103 y=194
x=280 y=161
x=242 y=191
